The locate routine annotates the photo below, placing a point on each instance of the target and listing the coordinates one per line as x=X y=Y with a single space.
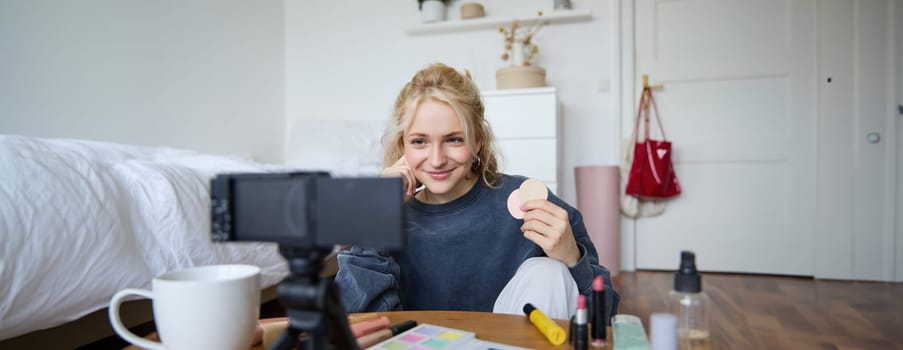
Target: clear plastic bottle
x=690 y=304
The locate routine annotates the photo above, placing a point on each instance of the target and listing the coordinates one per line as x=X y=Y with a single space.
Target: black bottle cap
x=687 y=279
x=528 y=308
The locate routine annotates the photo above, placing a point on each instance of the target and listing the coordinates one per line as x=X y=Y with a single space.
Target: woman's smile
x=439 y=175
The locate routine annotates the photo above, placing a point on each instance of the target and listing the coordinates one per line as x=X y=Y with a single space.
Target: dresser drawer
x=522 y=116
x=535 y=158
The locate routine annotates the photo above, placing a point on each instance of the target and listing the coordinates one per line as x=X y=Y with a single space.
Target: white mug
x=205 y=307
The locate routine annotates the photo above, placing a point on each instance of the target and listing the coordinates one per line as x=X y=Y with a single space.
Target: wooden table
x=506 y=329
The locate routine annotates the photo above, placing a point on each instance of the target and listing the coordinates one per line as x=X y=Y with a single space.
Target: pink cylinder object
x=598 y=199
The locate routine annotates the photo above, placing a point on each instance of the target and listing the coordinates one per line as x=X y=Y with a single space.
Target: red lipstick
x=600 y=324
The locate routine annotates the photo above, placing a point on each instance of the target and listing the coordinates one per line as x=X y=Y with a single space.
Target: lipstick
x=599 y=322
x=580 y=321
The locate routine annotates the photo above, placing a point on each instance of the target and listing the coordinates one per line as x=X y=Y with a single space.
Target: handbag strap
x=643 y=113
x=639 y=116
x=658 y=118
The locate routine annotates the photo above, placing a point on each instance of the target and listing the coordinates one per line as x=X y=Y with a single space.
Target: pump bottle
x=690 y=304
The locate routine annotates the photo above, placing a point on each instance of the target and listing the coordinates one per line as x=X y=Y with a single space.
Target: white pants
x=544 y=282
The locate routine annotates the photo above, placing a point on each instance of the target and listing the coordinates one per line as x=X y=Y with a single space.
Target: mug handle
x=120 y=328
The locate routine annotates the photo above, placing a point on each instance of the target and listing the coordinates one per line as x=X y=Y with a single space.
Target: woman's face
x=436 y=150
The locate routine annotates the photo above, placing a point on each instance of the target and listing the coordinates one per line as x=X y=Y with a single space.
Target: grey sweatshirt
x=458 y=256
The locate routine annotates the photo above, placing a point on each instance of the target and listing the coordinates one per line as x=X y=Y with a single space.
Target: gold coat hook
x=646 y=83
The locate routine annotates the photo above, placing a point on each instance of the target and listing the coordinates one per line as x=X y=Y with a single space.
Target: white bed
x=80 y=220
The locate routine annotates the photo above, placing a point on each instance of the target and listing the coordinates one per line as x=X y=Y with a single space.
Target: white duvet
x=80 y=220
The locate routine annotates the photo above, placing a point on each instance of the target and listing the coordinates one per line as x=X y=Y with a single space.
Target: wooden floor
x=772 y=312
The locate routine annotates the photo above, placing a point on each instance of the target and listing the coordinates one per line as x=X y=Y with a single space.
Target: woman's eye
x=456 y=140
x=418 y=142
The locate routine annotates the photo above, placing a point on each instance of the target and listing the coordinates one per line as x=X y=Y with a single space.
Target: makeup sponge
x=530 y=189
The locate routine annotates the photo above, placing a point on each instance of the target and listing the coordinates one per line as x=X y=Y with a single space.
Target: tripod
x=312 y=305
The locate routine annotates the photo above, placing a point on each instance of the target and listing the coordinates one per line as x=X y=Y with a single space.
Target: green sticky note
x=628 y=333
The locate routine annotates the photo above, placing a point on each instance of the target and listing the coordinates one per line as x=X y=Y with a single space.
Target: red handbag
x=651 y=172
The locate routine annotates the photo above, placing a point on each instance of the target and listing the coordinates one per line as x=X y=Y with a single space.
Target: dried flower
x=524 y=38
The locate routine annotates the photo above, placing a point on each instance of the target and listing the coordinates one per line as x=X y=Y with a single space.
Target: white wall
x=205 y=75
x=234 y=76
x=347 y=59
x=226 y=77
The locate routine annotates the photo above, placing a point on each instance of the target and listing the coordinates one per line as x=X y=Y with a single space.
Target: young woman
x=464 y=250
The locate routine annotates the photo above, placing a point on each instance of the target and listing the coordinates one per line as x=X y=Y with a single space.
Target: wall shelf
x=560 y=16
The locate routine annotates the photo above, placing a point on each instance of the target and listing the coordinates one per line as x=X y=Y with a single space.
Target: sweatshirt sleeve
x=368 y=281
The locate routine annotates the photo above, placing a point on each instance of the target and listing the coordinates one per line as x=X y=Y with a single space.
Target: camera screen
x=271 y=209
x=308 y=210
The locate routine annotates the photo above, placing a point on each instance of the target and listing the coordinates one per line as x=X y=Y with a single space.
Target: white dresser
x=525 y=124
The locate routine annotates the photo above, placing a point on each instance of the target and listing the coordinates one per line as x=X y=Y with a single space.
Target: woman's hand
x=401 y=169
x=547 y=225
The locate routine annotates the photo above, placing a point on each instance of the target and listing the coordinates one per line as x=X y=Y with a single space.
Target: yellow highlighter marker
x=547 y=327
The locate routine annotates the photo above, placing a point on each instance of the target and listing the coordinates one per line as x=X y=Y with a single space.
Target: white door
x=855 y=216
x=898 y=27
x=739 y=103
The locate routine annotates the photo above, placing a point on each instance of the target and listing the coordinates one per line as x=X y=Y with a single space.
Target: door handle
x=873 y=137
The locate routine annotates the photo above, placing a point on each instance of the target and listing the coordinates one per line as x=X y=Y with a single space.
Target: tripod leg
x=340 y=332
x=287 y=340
x=313 y=306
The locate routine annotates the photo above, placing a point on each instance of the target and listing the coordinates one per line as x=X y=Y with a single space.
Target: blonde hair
x=443 y=83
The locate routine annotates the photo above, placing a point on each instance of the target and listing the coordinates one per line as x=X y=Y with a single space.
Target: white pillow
x=341 y=147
